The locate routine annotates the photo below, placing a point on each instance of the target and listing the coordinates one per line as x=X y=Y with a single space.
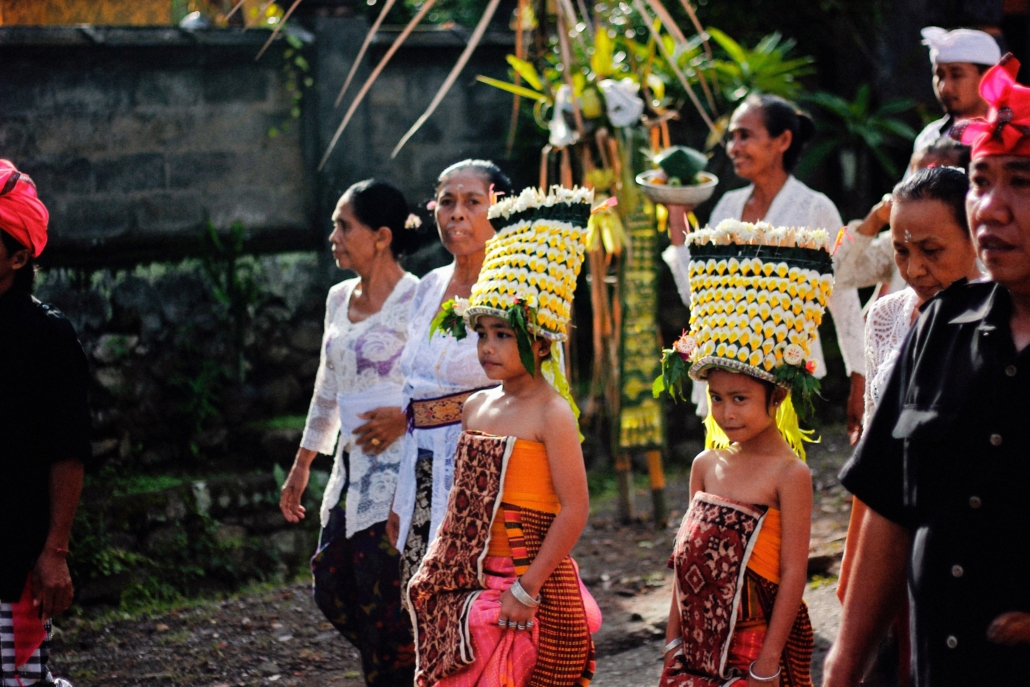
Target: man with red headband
x=945 y=464
x=44 y=440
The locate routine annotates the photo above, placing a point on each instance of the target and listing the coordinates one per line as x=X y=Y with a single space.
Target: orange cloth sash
x=765 y=557
x=527 y=483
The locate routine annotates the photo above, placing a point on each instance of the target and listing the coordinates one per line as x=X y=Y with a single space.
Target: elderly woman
x=358 y=398
x=868 y=258
x=767 y=134
x=932 y=249
x=440 y=372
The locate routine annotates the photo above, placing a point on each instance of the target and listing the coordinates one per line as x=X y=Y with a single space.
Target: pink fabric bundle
x=22 y=213
x=505 y=657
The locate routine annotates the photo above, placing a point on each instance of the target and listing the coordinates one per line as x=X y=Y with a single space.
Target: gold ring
x=376 y=442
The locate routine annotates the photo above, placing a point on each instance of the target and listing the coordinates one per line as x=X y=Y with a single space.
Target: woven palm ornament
x=758 y=294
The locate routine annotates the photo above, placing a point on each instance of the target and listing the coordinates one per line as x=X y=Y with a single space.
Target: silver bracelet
x=673 y=643
x=770 y=678
x=523 y=596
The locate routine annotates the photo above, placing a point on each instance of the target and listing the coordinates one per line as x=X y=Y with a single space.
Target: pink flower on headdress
x=685 y=346
x=1006 y=130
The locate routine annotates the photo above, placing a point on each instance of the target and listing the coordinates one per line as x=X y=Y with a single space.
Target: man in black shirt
x=945 y=465
x=44 y=440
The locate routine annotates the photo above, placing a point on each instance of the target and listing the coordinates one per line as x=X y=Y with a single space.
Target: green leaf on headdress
x=804 y=387
x=674 y=375
x=519 y=325
x=448 y=321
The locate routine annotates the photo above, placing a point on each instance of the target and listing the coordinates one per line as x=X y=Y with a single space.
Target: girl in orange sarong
x=741 y=615
x=758 y=293
x=497 y=601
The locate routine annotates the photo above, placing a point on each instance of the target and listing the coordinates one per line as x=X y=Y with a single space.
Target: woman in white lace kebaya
x=868 y=258
x=357 y=399
x=932 y=249
x=441 y=372
x=767 y=136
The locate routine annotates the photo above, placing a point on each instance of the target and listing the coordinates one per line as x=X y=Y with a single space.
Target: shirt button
x=1011 y=370
x=951 y=641
x=957 y=571
x=975 y=502
x=995 y=440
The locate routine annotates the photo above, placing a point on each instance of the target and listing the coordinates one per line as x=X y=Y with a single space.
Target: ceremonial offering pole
x=640 y=423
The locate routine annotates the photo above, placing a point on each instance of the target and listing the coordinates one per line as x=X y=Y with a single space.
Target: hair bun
x=806 y=127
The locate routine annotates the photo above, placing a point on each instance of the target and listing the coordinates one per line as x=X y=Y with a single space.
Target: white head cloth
x=961 y=45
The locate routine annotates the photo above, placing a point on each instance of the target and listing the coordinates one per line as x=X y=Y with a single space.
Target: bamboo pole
x=520 y=52
x=657 y=476
x=624 y=479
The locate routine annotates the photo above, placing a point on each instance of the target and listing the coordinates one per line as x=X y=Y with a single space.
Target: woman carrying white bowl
x=767 y=134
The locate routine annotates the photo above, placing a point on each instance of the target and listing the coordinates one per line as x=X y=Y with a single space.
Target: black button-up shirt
x=43 y=419
x=947 y=455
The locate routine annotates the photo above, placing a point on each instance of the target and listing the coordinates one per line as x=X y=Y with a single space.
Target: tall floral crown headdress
x=529 y=273
x=758 y=294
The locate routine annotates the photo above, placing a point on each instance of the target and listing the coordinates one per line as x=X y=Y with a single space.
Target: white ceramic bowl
x=694 y=194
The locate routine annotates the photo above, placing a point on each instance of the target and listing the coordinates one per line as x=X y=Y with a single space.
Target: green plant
x=201 y=392
x=765 y=68
x=296 y=72
x=231 y=276
x=92 y=553
x=860 y=127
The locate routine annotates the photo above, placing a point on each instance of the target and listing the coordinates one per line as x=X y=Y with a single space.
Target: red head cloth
x=22 y=213
x=1006 y=130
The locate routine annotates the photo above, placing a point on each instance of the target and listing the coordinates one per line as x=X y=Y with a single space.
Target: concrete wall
x=471 y=122
x=137 y=137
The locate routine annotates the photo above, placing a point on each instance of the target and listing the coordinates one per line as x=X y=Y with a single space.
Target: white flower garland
x=731 y=231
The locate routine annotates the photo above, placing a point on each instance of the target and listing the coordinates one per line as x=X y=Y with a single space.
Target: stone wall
x=472 y=120
x=204 y=535
x=173 y=387
x=138 y=137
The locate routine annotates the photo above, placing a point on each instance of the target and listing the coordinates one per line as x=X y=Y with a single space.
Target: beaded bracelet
x=770 y=678
x=523 y=596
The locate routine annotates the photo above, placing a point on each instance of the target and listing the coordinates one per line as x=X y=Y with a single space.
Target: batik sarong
x=724 y=606
x=414 y=549
x=357 y=588
x=456 y=592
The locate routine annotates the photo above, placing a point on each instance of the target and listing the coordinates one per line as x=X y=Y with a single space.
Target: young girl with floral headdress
x=498 y=600
x=741 y=555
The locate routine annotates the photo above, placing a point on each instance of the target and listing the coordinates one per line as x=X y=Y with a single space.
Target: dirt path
x=279 y=636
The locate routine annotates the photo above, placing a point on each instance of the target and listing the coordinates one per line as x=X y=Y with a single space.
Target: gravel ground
x=279 y=636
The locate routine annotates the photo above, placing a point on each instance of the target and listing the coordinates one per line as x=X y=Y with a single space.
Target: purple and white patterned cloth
x=359 y=358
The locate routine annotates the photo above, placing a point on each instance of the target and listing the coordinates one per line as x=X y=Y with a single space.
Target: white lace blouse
x=432 y=368
x=799 y=206
x=866 y=261
x=355 y=357
x=887 y=325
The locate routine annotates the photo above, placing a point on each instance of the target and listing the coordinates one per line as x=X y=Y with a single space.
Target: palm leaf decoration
x=463 y=59
x=364 y=48
x=428 y=5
